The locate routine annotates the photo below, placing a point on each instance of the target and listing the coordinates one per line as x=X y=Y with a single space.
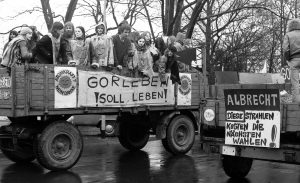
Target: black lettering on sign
x=149 y=96
x=252 y=99
x=104 y=98
x=92 y=82
x=249 y=141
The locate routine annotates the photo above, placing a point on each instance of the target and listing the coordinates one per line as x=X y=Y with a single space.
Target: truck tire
x=180 y=135
x=22 y=154
x=133 y=136
x=59 y=146
x=236 y=167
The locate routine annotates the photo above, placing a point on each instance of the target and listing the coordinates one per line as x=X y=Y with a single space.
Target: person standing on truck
x=47 y=48
x=291 y=50
x=12 y=34
x=122 y=48
x=101 y=48
x=172 y=64
x=17 y=51
x=65 y=43
x=79 y=48
x=143 y=58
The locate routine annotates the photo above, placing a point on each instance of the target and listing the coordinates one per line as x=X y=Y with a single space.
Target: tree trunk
x=70 y=10
x=177 y=22
x=169 y=15
x=149 y=21
x=197 y=10
x=163 y=20
x=47 y=13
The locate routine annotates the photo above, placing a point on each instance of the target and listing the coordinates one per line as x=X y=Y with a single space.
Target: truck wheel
x=180 y=135
x=133 y=136
x=59 y=146
x=22 y=154
x=236 y=167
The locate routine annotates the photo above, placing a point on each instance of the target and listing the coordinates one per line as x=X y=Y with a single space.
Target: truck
x=39 y=99
x=246 y=121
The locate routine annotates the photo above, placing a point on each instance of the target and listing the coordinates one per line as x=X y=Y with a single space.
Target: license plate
x=228 y=150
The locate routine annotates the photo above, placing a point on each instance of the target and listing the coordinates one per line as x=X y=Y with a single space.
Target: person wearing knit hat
x=47 y=48
x=25 y=30
x=17 y=51
x=101 y=48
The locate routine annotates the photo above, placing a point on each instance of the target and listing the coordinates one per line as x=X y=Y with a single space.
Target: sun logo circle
x=65 y=82
x=186 y=85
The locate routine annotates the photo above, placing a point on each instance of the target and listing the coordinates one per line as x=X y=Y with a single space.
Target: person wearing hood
x=291 y=50
x=101 y=48
x=79 y=48
x=17 y=51
x=47 y=48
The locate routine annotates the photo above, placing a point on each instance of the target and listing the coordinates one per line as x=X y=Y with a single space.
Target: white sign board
x=100 y=89
x=65 y=95
x=252 y=117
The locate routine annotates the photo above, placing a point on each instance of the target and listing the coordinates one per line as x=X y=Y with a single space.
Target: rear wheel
x=180 y=135
x=133 y=136
x=236 y=167
x=22 y=153
x=59 y=146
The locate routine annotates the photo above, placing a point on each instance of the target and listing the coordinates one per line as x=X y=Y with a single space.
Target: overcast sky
x=10 y=8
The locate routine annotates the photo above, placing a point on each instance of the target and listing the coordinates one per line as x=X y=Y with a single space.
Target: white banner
x=184 y=93
x=260 y=129
x=100 y=89
x=65 y=87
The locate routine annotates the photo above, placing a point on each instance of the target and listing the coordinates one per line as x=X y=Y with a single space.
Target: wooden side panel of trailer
x=33 y=88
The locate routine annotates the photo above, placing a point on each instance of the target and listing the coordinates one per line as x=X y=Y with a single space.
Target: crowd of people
x=127 y=53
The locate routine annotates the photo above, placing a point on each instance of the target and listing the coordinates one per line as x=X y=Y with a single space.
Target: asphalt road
x=107 y=161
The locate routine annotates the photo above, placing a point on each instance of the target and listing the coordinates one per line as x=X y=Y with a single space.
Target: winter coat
x=144 y=61
x=47 y=50
x=102 y=48
x=121 y=50
x=80 y=51
x=16 y=52
x=172 y=66
x=291 y=42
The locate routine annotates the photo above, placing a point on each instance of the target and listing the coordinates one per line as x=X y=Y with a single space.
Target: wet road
x=107 y=161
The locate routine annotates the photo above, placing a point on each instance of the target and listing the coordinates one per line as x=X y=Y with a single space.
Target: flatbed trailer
x=38 y=99
x=236 y=158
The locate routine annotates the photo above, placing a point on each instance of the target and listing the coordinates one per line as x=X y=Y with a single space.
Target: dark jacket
x=172 y=66
x=121 y=50
x=43 y=52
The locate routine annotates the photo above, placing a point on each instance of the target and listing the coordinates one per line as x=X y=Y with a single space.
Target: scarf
x=55 y=47
x=11 y=54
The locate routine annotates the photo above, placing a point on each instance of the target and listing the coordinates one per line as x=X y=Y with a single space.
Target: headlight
x=209 y=114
